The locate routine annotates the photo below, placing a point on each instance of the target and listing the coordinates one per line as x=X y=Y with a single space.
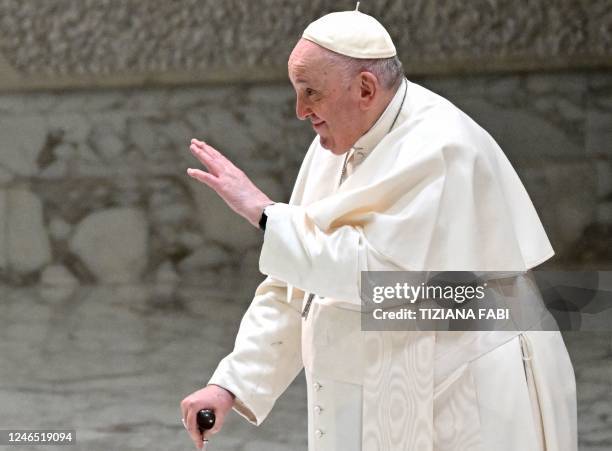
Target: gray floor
x=114 y=363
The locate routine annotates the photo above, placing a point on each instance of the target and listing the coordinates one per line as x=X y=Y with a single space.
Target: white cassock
x=426 y=189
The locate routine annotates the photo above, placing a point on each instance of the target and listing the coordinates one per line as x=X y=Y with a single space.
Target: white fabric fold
x=267 y=353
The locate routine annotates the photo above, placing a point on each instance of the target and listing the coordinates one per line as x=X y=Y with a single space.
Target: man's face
x=325 y=96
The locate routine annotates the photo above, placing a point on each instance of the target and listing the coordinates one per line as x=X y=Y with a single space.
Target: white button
x=359 y=156
x=317 y=386
x=319 y=433
x=318 y=409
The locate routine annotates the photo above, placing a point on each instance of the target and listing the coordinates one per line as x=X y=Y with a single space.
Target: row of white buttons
x=318 y=409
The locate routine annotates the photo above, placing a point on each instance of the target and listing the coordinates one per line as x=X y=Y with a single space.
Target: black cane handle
x=206 y=419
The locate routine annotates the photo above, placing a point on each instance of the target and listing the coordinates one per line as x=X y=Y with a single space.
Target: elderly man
x=397 y=178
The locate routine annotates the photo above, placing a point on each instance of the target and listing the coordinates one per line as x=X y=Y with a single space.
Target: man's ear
x=368 y=89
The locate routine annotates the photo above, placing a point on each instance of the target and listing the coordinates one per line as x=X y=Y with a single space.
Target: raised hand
x=229 y=182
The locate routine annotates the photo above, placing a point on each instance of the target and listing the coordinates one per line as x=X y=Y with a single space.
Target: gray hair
x=388 y=71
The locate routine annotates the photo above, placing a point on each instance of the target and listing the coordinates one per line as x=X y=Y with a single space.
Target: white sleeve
x=296 y=251
x=267 y=354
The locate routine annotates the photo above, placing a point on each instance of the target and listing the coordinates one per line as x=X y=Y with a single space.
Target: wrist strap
x=264 y=218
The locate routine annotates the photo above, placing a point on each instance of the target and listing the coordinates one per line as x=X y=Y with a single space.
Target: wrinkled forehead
x=306 y=58
x=305 y=49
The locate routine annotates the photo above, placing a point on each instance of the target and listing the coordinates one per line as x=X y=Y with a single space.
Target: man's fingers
x=208 y=433
x=202 y=176
x=197 y=141
x=209 y=150
x=184 y=412
x=214 y=152
x=206 y=148
x=206 y=158
x=192 y=428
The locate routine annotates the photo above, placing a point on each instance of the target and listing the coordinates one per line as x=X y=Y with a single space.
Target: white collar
x=375 y=134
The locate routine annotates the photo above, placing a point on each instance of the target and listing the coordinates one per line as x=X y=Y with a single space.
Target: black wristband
x=263 y=219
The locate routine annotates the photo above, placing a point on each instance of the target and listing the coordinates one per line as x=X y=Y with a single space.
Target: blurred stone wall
x=82 y=168
x=67 y=43
x=93 y=185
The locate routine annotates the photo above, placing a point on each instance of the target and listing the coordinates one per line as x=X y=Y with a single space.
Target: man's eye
x=309 y=91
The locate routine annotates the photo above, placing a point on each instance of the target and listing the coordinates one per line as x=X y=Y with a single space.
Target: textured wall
x=112 y=42
x=93 y=184
x=96 y=182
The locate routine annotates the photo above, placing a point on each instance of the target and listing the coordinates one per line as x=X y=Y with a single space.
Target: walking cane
x=206 y=420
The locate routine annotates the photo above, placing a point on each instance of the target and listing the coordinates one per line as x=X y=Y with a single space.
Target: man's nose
x=301 y=110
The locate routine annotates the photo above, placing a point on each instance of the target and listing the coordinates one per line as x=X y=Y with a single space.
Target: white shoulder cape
x=437 y=193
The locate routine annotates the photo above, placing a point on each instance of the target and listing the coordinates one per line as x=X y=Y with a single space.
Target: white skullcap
x=351 y=33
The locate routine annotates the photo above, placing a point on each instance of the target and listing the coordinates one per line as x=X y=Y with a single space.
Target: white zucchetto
x=351 y=33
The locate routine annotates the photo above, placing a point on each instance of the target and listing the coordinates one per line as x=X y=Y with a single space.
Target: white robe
x=435 y=193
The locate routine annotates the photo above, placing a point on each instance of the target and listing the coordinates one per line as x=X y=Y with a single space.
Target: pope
x=396 y=178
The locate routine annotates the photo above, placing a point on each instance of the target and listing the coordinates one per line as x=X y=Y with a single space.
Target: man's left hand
x=229 y=182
